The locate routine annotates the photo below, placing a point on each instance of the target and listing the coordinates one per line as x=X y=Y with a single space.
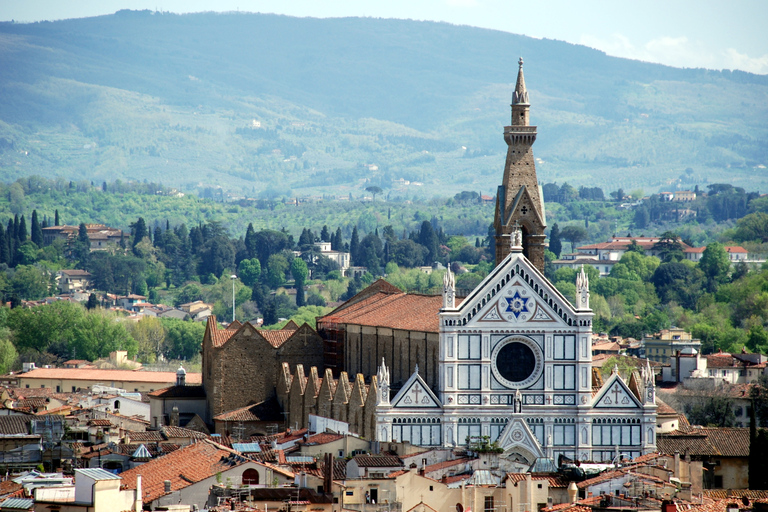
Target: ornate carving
x=449 y=289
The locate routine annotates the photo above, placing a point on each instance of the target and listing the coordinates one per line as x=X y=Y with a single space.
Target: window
x=564 y=435
x=250 y=477
x=466 y=431
x=430 y=488
x=58 y=389
x=615 y=434
x=74 y=389
x=469 y=376
x=488 y=505
x=564 y=376
x=469 y=346
x=565 y=347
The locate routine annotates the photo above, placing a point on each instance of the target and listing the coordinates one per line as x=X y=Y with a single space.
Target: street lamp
x=233 y=276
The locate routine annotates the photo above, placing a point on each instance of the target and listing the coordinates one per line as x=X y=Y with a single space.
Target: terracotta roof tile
x=410 y=312
x=323 y=438
x=96 y=375
x=276 y=338
x=699 y=441
x=184 y=467
x=269 y=410
x=378 y=461
x=179 y=392
x=446 y=464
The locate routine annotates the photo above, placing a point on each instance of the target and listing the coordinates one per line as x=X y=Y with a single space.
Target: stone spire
x=520 y=96
x=449 y=289
x=519 y=199
x=383 y=380
x=582 y=290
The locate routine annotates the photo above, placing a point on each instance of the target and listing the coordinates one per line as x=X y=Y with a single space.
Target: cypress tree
x=555 y=244
x=354 y=246
x=37 y=232
x=337 y=243
x=22 y=234
x=16 y=227
x=56 y=218
x=3 y=246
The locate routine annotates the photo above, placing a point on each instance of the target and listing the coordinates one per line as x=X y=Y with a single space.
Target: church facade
x=515 y=361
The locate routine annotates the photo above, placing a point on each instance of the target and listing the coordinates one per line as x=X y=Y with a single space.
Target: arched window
x=250 y=477
x=117 y=404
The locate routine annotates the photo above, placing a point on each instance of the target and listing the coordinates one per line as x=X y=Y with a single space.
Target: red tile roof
x=712 y=441
x=389 y=307
x=378 y=461
x=323 y=438
x=446 y=464
x=219 y=337
x=97 y=375
x=269 y=410
x=184 y=467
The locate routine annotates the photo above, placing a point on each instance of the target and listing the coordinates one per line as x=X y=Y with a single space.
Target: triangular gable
x=615 y=394
x=415 y=394
x=516 y=436
x=516 y=292
x=523 y=198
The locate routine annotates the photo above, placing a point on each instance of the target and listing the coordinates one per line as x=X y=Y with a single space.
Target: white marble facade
x=516 y=365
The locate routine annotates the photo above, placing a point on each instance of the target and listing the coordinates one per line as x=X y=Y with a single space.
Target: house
x=95 y=489
x=74 y=280
x=735 y=368
x=186 y=475
x=736 y=253
x=72 y=379
x=373 y=466
x=660 y=346
x=723 y=452
x=618 y=245
x=341 y=258
x=577 y=260
x=101 y=237
x=249 y=420
x=340 y=445
x=188 y=402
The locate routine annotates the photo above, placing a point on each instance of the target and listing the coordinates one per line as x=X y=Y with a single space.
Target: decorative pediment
x=525 y=209
x=518 y=437
x=415 y=394
x=615 y=394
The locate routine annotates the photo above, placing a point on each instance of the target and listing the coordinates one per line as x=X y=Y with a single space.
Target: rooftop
x=96 y=375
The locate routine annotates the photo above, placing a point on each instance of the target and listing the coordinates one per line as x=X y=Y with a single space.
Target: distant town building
x=660 y=346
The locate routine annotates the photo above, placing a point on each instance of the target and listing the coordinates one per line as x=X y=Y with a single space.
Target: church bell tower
x=519 y=198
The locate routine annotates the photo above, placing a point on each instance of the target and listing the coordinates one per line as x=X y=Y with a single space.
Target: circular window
x=517 y=362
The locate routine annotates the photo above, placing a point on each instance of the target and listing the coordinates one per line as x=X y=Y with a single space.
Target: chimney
x=573 y=492
x=677 y=464
x=138 y=504
x=167 y=484
x=181 y=376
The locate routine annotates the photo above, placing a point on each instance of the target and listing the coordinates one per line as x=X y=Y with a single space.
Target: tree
x=182 y=339
x=753 y=227
x=99 y=334
x=8 y=354
x=299 y=271
x=374 y=190
x=30 y=282
x=277 y=266
x=715 y=264
x=139 y=231
x=37 y=232
x=574 y=234
x=669 y=247
x=92 y=303
x=249 y=271
x=555 y=245
x=56 y=218
x=711 y=411
x=354 y=246
x=150 y=338
x=407 y=253
x=81 y=249
x=428 y=239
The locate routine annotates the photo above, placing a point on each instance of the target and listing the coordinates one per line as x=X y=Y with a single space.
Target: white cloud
x=676 y=51
x=736 y=60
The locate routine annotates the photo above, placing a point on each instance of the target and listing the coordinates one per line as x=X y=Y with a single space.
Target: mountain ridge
x=596 y=114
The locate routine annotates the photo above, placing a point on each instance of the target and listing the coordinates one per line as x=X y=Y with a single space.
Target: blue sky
x=682 y=33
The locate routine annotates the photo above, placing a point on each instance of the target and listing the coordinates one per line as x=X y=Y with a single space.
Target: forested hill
x=144 y=94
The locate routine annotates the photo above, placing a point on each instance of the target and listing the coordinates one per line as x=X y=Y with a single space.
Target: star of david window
x=517 y=362
x=517 y=304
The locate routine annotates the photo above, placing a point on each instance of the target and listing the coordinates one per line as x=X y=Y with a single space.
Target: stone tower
x=519 y=198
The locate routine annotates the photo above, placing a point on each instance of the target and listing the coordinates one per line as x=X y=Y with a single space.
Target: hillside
x=276 y=105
